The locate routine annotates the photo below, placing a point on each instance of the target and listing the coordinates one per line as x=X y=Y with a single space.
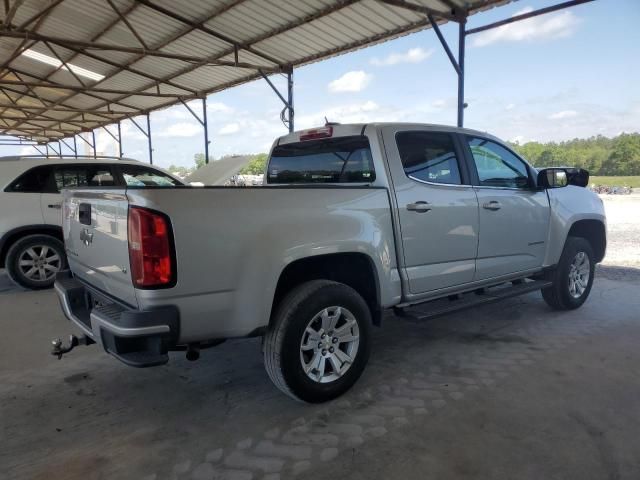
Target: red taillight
x=316 y=133
x=150 y=250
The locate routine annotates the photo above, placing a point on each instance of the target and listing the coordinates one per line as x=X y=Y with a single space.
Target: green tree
x=199 y=160
x=256 y=166
x=600 y=155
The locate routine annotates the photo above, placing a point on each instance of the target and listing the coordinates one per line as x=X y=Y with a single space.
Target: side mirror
x=556 y=177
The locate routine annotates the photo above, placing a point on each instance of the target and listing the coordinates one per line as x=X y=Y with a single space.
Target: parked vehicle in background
x=352 y=220
x=31 y=247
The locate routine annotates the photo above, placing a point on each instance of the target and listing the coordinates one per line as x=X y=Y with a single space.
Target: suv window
x=67 y=176
x=497 y=166
x=135 y=176
x=331 y=160
x=429 y=156
x=36 y=180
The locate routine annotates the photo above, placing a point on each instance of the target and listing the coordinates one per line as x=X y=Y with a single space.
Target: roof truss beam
x=75 y=88
x=201 y=27
x=524 y=16
x=425 y=10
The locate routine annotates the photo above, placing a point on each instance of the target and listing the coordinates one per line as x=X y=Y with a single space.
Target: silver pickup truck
x=353 y=220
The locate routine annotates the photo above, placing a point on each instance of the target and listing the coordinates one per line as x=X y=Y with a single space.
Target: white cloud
x=440 y=103
x=350 y=113
x=229 y=129
x=563 y=114
x=413 y=55
x=354 y=81
x=510 y=106
x=544 y=27
x=520 y=139
x=183 y=129
x=219 y=107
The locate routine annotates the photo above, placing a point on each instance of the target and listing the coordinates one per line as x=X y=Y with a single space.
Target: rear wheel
x=318 y=344
x=573 y=277
x=33 y=261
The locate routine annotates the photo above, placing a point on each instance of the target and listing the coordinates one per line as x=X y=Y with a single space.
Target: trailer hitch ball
x=193 y=353
x=58 y=349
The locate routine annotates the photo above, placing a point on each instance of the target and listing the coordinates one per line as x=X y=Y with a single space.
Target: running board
x=453 y=303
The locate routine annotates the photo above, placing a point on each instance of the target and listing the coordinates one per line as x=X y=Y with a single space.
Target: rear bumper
x=137 y=338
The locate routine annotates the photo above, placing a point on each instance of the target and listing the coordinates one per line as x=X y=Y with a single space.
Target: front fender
x=569 y=205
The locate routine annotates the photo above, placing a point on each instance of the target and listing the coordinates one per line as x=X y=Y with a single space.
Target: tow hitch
x=58 y=349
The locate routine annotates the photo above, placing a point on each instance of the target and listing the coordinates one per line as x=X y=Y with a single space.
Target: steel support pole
x=149 y=139
x=461 y=42
x=119 y=140
x=75 y=147
x=59 y=149
x=290 y=99
x=205 y=125
x=93 y=136
x=46 y=146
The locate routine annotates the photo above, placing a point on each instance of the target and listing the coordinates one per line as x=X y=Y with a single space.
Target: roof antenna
x=327 y=123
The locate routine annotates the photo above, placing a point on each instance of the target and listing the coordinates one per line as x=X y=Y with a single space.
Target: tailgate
x=95 y=237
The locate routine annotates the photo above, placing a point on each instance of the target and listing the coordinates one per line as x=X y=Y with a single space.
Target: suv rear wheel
x=33 y=261
x=573 y=277
x=318 y=344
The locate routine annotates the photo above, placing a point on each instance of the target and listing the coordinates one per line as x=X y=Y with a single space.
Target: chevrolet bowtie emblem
x=86 y=236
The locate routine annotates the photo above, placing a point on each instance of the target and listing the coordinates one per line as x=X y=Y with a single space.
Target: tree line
x=600 y=155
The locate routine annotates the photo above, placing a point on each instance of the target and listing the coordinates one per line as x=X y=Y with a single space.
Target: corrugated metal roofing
x=154 y=53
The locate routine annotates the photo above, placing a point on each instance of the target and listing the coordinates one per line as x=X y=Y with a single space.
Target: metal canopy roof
x=114 y=59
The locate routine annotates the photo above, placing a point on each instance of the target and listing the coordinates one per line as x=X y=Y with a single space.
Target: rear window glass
x=332 y=160
x=36 y=180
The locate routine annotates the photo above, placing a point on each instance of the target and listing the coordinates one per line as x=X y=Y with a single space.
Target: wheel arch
x=354 y=269
x=594 y=232
x=16 y=234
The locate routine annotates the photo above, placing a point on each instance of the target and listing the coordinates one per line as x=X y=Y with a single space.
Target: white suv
x=31 y=247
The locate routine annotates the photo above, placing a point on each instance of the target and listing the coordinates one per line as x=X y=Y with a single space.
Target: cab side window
x=68 y=176
x=135 y=176
x=497 y=166
x=429 y=157
x=36 y=180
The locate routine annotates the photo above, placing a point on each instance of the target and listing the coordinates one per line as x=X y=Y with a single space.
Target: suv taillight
x=150 y=249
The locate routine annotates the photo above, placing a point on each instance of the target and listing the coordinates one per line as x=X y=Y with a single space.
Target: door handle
x=492 y=205
x=57 y=206
x=420 y=207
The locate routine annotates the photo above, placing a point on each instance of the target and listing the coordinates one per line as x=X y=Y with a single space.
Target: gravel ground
x=622 y=261
x=623 y=230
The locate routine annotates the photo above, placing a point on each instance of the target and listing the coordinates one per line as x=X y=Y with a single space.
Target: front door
x=437 y=208
x=514 y=216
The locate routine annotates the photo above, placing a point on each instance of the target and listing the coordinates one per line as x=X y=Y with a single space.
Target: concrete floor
x=510 y=390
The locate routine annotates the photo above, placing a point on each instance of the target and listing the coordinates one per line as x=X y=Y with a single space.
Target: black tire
x=37 y=244
x=559 y=296
x=282 y=342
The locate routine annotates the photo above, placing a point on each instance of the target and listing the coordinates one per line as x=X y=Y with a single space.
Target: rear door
x=69 y=176
x=514 y=215
x=437 y=207
x=95 y=234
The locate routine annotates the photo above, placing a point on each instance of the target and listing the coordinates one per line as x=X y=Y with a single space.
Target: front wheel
x=573 y=277
x=318 y=344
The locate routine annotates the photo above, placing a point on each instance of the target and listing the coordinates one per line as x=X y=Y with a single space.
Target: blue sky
x=573 y=73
